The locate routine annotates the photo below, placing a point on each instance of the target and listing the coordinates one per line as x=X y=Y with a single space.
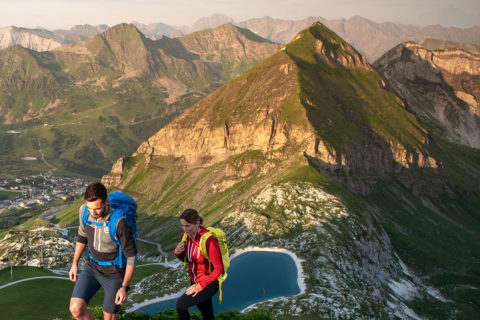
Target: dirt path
x=43 y=156
x=34 y=278
x=159 y=246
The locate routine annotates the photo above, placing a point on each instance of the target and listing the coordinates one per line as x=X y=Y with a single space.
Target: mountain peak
x=122 y=48
x=327 y=46
x=229 y=43
x=211 y=22
x=127 y=35
x=318 y=98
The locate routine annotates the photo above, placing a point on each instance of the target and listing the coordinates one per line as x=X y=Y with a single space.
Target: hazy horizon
x=64 y=14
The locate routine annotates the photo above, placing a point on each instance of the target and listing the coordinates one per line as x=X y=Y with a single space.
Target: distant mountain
x=229 y=49
x=441 y=86
x=80 y=32
x=434 y=44
x=370 y=38
x=35 y=39
x=312 y=150
x=120 y=82
x=45 y=40
x=278 y=30
x=156 y=31
x=374 y=39
x=210 y=22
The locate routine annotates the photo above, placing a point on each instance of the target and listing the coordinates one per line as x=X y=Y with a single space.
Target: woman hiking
x=203 y=275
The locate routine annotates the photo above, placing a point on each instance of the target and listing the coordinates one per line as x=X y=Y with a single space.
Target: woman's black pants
x=203 y=301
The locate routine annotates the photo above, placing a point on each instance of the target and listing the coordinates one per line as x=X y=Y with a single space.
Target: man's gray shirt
x=101 y=245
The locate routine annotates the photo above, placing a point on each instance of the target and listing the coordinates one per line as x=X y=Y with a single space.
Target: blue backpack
x=125 y=206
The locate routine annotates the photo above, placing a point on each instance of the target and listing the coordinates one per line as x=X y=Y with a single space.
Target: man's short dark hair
x=95 y=191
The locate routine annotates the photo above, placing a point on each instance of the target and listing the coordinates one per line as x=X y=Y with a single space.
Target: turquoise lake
x=253 y=277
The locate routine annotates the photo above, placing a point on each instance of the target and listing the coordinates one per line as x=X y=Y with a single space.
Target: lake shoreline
x=237 y=253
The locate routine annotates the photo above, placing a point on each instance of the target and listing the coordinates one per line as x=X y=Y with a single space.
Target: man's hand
x=121 y=296
x=79 y=248
x=73 y=272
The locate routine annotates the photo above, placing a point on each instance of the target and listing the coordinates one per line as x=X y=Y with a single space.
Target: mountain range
x=369 y=38
x=318 y=151
x=119 y=82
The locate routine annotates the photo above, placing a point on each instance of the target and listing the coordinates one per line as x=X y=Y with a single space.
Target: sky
x=64 y=14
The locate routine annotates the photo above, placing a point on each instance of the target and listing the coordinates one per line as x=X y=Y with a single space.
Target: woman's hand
x=194 y=289
x=180 y=248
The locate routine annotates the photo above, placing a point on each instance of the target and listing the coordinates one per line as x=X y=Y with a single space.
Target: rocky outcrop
x=351 y=59
x=116 y=174
x=441 y=86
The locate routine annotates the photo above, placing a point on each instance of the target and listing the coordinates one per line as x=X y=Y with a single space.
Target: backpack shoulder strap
x=85 y=216
x=203 y=244
x=112 y=225
x=184 y=240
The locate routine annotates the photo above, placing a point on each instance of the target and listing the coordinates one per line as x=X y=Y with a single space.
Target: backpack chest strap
x=98 y=224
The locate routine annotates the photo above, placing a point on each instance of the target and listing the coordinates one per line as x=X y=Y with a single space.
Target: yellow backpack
x=222 y=242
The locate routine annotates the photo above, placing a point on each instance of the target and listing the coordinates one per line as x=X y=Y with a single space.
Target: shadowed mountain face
x=120 y=83
x=310 y=150
x=440 y=86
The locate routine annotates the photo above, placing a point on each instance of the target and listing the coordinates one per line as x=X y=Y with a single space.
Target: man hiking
x=109 y=264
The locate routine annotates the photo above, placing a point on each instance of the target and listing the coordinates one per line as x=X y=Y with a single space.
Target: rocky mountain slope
x=310 y=150
x=441 y=86
x=230 y=50
x=120 y=82
x=35 y=39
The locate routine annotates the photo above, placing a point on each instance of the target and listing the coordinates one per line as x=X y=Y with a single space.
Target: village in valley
x=43 y=246
x=39 y=189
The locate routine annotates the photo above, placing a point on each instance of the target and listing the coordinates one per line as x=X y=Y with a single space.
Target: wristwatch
x=126 y=288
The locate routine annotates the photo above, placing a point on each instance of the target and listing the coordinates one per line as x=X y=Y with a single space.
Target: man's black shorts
x=89 y=282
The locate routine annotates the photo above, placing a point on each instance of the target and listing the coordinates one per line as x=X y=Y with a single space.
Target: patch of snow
x=403 y=288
